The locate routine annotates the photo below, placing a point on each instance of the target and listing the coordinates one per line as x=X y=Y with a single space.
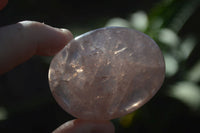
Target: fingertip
x=68 y=34
x=65 y=36
x=49 y=40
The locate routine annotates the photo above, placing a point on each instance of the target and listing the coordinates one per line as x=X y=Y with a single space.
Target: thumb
x=85 y=126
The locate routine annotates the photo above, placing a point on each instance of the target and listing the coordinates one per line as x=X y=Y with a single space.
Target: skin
x=85 y=126
x=19 y=42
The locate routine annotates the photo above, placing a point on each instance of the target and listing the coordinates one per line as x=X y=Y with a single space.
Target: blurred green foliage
x=26 y=103
x=164 y=23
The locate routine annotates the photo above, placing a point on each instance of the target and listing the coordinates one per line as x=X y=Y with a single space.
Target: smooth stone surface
x=106 y=73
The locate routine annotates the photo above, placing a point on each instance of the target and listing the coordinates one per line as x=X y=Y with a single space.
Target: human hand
x=19 y=42
x=86 y=126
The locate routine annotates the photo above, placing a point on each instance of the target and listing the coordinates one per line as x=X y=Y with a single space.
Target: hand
x=19 y=42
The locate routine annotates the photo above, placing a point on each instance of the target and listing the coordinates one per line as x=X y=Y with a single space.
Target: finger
x=19 y=42
x=86 y=126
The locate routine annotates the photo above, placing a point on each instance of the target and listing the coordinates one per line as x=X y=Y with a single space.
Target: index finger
x=19 y=42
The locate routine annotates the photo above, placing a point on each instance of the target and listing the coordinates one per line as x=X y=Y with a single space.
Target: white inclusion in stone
x=121 y=50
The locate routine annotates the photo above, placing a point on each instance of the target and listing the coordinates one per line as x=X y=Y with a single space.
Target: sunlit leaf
x=168 y=37
x=194 y=73
x=139 y=20
x=186 y=46
x=3 y=113
x=188 y=93
x=171 y=65
x=118 y=22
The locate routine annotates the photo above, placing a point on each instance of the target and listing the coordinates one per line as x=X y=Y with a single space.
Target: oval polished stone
x=106 y=73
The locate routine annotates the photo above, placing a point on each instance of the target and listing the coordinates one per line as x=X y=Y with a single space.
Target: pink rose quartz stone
x=106 y=73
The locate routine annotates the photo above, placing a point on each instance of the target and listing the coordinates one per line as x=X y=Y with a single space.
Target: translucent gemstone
x=106 y=73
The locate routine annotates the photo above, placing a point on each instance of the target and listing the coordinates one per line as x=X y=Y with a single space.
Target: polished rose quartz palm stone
x=106 y=73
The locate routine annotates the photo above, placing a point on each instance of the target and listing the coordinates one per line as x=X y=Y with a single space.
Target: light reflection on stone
x=134 y=105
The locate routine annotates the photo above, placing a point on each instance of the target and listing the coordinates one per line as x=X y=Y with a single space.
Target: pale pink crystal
x=106 y=73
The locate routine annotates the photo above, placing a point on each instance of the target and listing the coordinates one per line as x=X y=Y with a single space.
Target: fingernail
x=64 y=30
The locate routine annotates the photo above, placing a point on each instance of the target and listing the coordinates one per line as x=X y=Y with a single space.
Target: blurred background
x=26 y=103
